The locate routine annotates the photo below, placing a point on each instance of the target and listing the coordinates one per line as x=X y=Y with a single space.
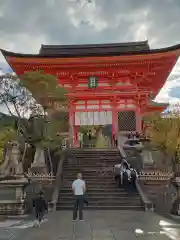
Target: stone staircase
x=97 y=169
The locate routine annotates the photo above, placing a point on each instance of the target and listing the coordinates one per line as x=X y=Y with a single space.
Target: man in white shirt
x=79 y=188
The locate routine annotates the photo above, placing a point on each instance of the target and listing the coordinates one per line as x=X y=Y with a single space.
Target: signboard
x=92 y=82
x=93 y=118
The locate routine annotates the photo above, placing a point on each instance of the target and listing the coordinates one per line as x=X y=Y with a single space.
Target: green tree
x=43 y=85
x=165 y=134
x=24 y=99
x=6 y=134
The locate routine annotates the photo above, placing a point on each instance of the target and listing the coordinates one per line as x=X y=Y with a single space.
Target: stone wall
x=161 y=193
x=161 y=161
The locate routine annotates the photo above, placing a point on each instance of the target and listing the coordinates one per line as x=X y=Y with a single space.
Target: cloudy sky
x=26 y=24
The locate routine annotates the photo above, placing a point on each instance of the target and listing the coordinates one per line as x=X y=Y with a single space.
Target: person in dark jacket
x=134 y=176
x=90 y=135
x=40 y=208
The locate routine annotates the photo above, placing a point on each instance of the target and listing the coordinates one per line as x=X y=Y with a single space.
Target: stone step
x=108 y=168
x=97 y=168
x=95 y=189
x=89 y=181
x=96 y=178
x=121 y=194
x=115 y=198
x=94 y=183
x=95 y=151
x=95 y=158
x=89 y=167
x=91 y=158
x=106 y=176
x=101 y=190
x=89 y=174
x=96 y=175
x=107 y=181
x=102 y=203
x=92 y=163
x=90 y=154
x=105 y=207
x=102 y=182
x=93 y=186
x=89 y=171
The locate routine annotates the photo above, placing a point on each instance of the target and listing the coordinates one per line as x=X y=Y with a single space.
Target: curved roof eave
x=99 y=45
x=143 y=52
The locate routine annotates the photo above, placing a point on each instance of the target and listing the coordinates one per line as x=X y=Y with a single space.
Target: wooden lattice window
x=127 y=121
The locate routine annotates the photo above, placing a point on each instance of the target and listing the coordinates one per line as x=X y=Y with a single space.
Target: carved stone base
x=176 y=204
x=38 y=170
x=12 y=207
x=12 y=196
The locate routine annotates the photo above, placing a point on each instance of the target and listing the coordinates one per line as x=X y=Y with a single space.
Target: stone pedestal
x=12 y=199
x=176 y=203
x=147 y=158
x=39 y=165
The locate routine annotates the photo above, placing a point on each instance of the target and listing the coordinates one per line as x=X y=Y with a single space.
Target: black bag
x=86 y=202
x=133 y=175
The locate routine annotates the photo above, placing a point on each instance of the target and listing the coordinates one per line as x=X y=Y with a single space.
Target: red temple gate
x=108 y=84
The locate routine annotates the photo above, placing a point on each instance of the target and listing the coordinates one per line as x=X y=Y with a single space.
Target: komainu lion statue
x=11 y=164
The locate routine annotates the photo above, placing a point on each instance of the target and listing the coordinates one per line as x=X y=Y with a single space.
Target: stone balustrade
x=40 y=177
x=156 y=175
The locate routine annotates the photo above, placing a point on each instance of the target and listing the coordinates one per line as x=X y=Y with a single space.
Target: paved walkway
x=98 y=225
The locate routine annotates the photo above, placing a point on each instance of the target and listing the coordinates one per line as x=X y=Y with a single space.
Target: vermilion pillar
x=138 y=120
x=114 y=121
x=71 y=126
x=76 y=141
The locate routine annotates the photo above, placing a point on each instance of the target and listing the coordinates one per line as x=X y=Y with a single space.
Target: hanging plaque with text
x=92 y=82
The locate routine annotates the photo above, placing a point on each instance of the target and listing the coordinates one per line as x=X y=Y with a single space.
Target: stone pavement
x=98 y=225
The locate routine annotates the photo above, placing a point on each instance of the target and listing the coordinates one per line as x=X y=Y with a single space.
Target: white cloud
x=23 y=43
x=1 y=72
x=87 y=15
x=173 y=81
